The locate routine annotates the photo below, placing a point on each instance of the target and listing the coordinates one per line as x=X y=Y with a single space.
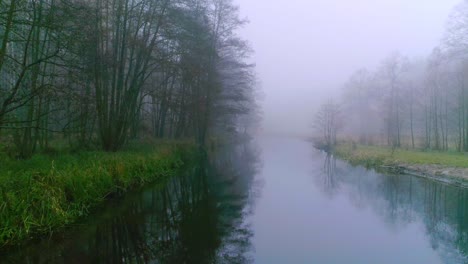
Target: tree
x=456 y=45
x=110 y=71
x=391 y=71
x=328 y=122
x=30 y=46
x=359 y=101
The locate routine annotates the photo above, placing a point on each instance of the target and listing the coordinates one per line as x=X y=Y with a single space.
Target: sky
x=305 y=50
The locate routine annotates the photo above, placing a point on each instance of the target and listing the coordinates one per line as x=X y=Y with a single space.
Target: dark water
x=274 y=201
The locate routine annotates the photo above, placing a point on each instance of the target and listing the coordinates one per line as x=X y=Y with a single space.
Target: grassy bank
x=46 y=193
x=374 y=156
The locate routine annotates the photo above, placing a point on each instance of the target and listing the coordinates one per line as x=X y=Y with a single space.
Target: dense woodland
x=103 y=72
x=413 y=103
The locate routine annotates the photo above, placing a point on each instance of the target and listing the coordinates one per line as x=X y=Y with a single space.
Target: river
x=275 y=200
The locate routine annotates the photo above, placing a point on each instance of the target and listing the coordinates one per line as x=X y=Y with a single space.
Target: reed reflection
x=198 y=217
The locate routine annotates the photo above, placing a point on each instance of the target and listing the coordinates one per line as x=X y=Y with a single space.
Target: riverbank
x=443 y=166
x=48 y=192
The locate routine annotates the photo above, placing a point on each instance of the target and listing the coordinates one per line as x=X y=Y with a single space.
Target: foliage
x=102 y=73
x=40 y=195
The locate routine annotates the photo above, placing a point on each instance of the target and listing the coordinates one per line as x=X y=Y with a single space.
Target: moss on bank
x=374 y=156
x=46 y=193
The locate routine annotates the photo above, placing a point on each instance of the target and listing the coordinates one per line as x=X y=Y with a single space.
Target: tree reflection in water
x=330 y=183
x=403 y=199
x=199 y=217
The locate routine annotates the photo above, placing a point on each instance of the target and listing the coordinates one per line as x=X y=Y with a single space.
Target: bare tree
x=328 y=122
x=391 y=71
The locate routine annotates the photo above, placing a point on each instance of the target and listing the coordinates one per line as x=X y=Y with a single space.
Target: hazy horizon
x=306 y=50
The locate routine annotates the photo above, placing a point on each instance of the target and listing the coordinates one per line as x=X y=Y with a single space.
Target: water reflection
x=196 y=218
x=345 y=215
x=401 y=200
x=330 y=182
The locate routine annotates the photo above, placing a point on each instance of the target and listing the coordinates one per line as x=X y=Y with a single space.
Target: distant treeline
x=102 y=72
x=418 y=103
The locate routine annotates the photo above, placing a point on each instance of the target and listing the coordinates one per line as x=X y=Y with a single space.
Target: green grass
x=378 y=155
x=46 y=193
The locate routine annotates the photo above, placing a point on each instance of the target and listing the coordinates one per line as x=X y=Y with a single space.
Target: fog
x=306 y=49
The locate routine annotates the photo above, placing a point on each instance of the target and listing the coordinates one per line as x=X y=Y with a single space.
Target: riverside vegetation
x=409 y=112
x=47 y=192
x=98 y=75
x=433 y=163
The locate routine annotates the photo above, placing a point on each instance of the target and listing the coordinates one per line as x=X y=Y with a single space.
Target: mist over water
x=245 y=206
x=163 y=131
x=305 y=51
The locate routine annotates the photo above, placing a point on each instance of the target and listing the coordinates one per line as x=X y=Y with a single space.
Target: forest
x=99 y=74
x=98 y=98
x=407 y=102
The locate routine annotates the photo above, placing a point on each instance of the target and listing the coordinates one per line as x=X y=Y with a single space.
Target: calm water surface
x=276 y=200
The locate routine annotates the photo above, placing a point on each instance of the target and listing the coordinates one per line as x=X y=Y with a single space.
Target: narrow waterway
x=275 y=200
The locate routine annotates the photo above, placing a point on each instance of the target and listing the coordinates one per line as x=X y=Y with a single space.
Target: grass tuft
x=48 y=192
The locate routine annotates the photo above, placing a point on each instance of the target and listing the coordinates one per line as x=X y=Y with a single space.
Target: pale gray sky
x=306 y=49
